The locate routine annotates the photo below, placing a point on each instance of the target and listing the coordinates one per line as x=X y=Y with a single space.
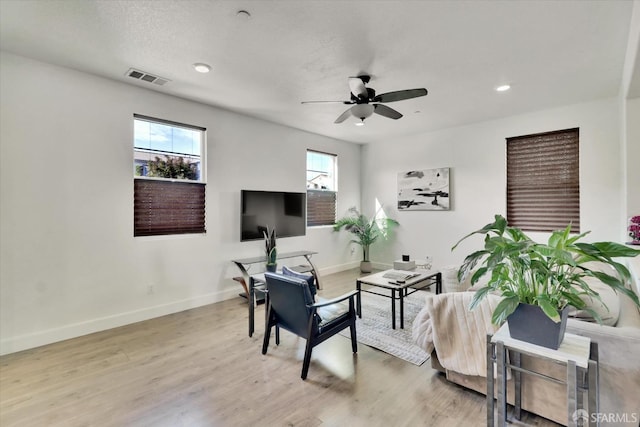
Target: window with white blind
x=543 y=181
x=322 y=188
x=168 y=185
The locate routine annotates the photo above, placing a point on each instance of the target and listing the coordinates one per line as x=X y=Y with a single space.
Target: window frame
x=169 y=206
x=202 y=130
x=543 y=181
x=319 y=196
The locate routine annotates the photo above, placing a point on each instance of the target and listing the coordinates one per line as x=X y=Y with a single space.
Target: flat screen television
x=286 y=211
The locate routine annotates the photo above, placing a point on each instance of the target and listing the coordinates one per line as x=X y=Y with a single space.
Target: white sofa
x=619 y=355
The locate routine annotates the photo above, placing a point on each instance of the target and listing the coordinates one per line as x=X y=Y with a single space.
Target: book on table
x=400 y=275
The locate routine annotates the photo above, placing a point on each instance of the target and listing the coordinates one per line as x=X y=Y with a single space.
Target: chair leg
x=307 y=359
x=267 y=329
x=354 y=342
x=277 y=335
x=265 y=341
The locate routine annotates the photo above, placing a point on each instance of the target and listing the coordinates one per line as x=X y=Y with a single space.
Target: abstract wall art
x=424 y=190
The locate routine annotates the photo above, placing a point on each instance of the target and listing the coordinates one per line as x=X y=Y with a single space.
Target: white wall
x=632 y=156
x=476 y=156
x=629 y=98
x=69 y=262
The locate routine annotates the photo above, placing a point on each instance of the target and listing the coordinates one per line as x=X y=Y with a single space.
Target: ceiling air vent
x=141 y=75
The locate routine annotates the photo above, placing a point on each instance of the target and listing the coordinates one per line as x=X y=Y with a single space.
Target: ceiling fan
x=367 y=102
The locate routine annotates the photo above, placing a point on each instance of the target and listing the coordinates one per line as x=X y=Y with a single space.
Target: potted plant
x=634 y=230
x=270 y=249
x=366 y=231
x=171 y=167
x=547 y=278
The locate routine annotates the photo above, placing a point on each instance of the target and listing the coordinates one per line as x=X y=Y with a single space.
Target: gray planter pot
x=529 y=323
x=272 y=267
x=365 y=266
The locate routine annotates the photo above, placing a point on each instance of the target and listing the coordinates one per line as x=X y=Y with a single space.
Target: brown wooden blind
x=168 y=207
x=321 y=207
x=543 y=185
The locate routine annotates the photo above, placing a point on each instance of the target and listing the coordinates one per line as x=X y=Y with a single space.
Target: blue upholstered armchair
x=291 y=307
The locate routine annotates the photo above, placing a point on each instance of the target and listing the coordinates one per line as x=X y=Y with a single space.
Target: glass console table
x=251 y=285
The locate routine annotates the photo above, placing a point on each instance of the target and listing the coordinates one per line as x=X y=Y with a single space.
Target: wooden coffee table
x=397 y=291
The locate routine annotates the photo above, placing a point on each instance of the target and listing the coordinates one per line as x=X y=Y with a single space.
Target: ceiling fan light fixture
x=362 y=111
x=365 y=101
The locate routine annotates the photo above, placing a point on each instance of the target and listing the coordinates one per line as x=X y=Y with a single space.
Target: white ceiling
x=552 y=53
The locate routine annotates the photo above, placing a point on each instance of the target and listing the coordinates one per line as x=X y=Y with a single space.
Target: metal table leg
x=393 y=308
x=358 y=299
x=501 y=358
x=572 y=393
x=250 y=293
x=517 y=377
x=594 y=386
x=314 y=271
x=251 y=302
x=490 y=391
x=402 y=308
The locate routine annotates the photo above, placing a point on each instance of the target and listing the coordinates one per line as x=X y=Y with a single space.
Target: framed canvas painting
x=424 y=190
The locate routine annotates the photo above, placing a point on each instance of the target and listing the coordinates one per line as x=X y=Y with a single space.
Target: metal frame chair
x=290 y=306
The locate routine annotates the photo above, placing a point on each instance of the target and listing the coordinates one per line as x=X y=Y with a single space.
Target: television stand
x=253 y=288
x=260 y=299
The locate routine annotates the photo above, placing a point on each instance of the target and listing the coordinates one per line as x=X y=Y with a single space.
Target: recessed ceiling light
x=503 y=88
x=202 y=68
x=243 y=14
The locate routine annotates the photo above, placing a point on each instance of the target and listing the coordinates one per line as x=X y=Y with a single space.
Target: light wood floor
x=199 y=368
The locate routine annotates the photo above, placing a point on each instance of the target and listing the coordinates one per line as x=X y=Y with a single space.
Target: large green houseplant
x=366 y=231
x=550 y=276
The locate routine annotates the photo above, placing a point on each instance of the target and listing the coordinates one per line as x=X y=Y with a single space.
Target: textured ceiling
x=552 y=53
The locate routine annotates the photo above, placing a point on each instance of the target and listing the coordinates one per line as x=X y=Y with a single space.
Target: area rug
x=374 y=328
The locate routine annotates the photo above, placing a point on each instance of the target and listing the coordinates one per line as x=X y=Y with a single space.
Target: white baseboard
x=338 y=268
x=48 y=336
x=352 y=265
x=381 y=266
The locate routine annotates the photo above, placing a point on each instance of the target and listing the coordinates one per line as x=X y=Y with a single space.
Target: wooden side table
x=578 y=353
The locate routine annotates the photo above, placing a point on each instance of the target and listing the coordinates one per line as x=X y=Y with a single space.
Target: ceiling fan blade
x=343 y=116
x=357 y=87
x=400 y=95
x=327 y=102
x=383 y=110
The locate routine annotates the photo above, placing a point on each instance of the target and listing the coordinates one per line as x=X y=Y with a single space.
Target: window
x=543 y=185
x=321 y=188
x=169 y=189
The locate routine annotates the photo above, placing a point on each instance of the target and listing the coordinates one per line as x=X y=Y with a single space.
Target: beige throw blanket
x=459 y=335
